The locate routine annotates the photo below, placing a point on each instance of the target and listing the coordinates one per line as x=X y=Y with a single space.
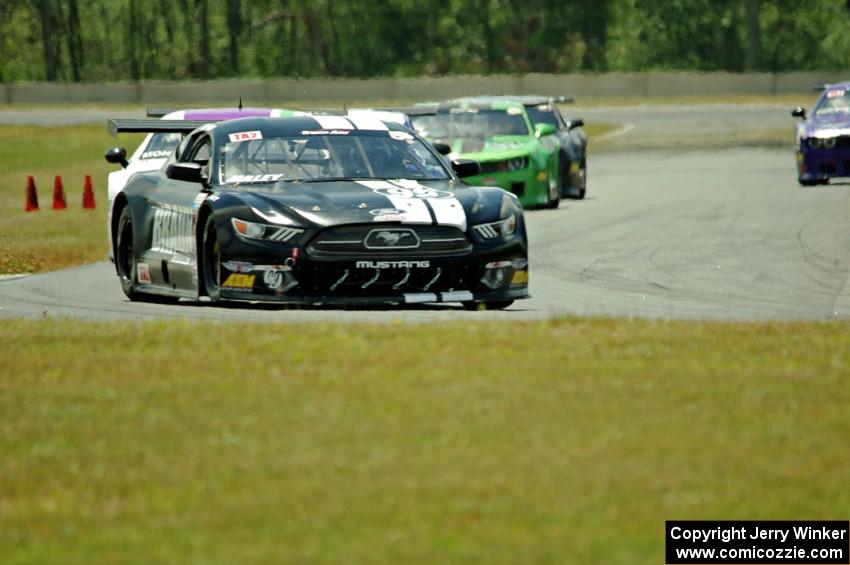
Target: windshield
x=336 y=155
x=463 y=124
x=542 y=114
x=161 y=145
x=834 y=101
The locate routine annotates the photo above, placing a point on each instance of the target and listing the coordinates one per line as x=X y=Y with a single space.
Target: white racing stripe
x=448 y=210
x=367 y=122
x=333 y=122
x=415 y=209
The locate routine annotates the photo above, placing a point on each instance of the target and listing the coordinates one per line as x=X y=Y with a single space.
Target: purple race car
x=823 y=138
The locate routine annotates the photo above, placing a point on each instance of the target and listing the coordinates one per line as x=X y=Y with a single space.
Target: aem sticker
x=514 y=111
x=400 y=135
x=835 y=93
x=245 y=136
x=144 y=273
x=239 y=281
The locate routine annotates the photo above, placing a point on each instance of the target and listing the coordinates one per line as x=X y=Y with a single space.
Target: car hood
x=322 y=204
x=828 y=124
x=496 y=147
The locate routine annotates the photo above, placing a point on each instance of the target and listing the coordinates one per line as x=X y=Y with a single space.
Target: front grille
x=354 y=281
x=843 y=142
x=491 y=167
x=350 y=242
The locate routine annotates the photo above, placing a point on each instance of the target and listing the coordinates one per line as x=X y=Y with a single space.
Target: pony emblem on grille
x=402 y=238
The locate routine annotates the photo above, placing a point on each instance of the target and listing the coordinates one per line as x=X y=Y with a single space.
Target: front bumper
x=530 y=185
x=497 y=273
x=821 y=164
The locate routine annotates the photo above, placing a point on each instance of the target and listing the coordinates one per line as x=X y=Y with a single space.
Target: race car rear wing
x=150 y=125
x=429 y=110
x=159 y=112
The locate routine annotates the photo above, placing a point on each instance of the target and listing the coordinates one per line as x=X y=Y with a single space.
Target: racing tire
x=491 y=305
x=126 y=265
x=125 y=261
x=554 y=196
x=567 y=188
x=806 y=182
x=582 y=189
x=210 y=263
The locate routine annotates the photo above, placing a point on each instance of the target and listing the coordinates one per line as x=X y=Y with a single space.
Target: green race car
x=514 y=153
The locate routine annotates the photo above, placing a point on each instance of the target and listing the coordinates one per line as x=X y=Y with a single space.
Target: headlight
x=516 y=163
x=500 y=229
x=815 y=142
x=828 y=143
x=253 y=230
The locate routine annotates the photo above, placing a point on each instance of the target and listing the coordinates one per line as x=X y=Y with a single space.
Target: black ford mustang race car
x=314 y=210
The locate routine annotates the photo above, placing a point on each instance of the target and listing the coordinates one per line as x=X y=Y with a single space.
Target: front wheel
x=210 y=262
x=554 y=196
x=807 y=182
x=125 y=261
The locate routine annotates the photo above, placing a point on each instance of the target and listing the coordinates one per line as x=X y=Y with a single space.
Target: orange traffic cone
x=32 y=195
x=88 y=194
x=58 y=194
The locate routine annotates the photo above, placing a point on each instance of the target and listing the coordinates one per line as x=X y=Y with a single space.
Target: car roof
x=295 y=125
x=844 y=84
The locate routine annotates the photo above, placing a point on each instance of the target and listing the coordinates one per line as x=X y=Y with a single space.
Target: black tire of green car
x=492 y=305
x=211 y=260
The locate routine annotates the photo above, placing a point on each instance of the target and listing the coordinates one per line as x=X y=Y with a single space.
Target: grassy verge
x=769 y=138
x=432 y=444
x=47 y=239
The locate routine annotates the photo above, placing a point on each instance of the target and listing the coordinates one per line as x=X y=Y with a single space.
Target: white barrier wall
x=583 y=85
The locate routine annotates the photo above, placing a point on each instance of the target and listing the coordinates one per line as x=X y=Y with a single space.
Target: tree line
x=111 y=40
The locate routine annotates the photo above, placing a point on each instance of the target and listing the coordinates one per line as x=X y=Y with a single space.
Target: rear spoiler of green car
x=429 y=110
x=151 y=125
x=547 y=100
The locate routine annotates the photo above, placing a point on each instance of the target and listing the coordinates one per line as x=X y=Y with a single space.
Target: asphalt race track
x=721 y=234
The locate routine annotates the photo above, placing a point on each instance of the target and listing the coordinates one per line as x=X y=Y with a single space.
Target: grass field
x=47 y=239
x=559 y=442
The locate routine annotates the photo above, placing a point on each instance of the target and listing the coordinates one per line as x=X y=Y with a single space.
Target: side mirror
x=188 y=172
x=466 y=167
x=117 y=155
x=799 y=112
x=576 y=124
x=541 y=130
x=442 y=148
